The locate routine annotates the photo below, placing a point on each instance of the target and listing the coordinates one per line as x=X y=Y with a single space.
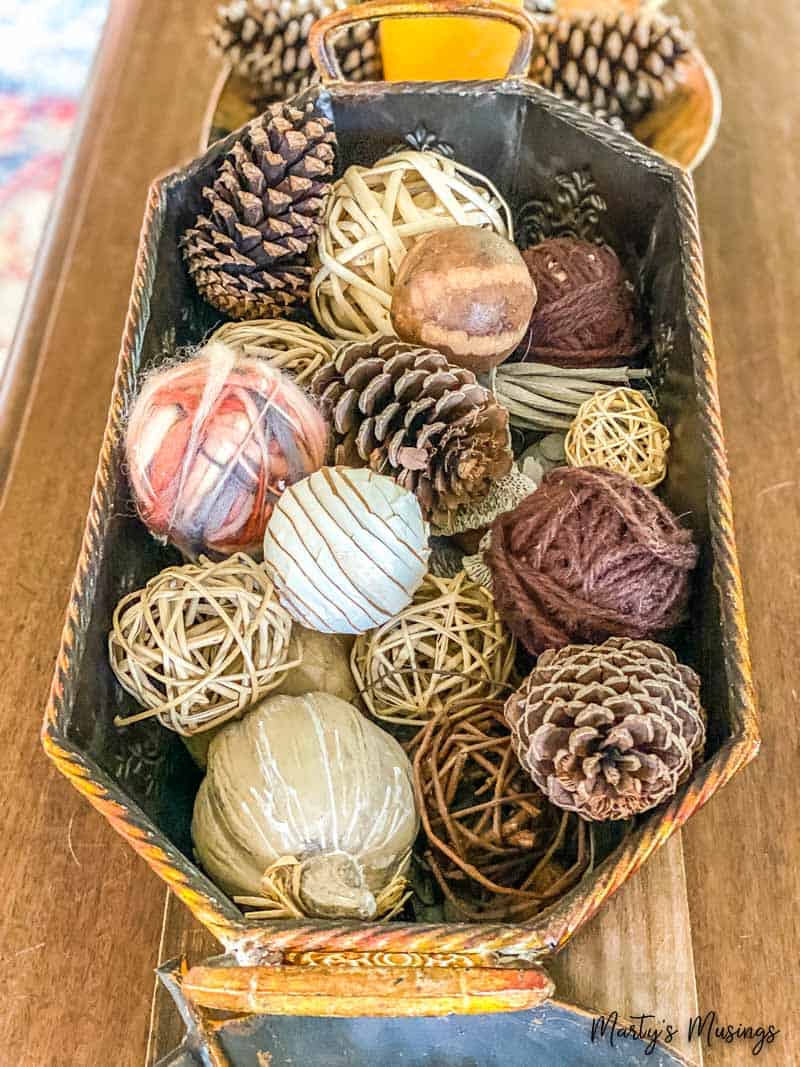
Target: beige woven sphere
x=449 y=645
x=288 y=346
x=374 y=215
x=200 y=643
x=619 y=431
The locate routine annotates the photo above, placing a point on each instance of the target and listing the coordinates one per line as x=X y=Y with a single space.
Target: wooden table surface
x=713 y=918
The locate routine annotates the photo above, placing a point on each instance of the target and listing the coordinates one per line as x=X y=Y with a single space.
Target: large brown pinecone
x=406 y=412
x=266 y=43
x=247 y=254
x=608 y=731
x=620 y=64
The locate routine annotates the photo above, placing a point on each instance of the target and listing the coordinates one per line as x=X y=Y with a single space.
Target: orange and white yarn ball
x=211 y=445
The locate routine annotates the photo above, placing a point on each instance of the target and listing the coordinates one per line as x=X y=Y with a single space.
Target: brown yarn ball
x=589 y=555
x=586 y=314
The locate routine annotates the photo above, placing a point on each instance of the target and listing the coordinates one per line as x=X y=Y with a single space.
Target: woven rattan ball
x=374 y=215
x=619 y=431
x=200 y=643
x=496 y=845
x=288 y=346
x=448 y=645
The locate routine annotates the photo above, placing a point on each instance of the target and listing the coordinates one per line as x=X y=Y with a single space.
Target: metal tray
x=142 y=779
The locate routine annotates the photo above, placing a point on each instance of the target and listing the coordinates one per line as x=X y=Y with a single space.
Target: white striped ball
x=346 y=549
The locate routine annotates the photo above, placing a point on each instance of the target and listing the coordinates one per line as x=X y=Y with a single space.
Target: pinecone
x=618 y=64
x=266 y=43
x=608 y=731
x=247 y=255
x=406 y=412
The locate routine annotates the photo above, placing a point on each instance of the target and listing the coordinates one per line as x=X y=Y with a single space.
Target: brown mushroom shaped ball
x=467 y=292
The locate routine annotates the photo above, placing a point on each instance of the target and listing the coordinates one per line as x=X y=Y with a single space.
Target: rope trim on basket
x=373 y=215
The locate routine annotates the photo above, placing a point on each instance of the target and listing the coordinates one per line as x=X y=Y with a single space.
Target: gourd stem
x=332 y=885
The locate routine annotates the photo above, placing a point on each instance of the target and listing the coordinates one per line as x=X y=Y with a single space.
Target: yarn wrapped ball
x=589 y=555
x=200 y=643
x=346 y=550
x=585 y=315
x=211 y=445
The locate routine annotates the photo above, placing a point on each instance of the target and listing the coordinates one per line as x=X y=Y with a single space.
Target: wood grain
x=81 y=918
x=84 y=921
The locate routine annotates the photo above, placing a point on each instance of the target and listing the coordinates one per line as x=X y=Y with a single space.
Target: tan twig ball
x=288 y=346
x=619 y=431
x=448 y=645
x=373 y=216
x=200 y=643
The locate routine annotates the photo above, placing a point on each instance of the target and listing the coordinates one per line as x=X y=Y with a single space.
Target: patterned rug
x=46 y=47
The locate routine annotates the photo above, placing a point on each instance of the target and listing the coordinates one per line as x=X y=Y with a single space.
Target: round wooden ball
x=467 y=292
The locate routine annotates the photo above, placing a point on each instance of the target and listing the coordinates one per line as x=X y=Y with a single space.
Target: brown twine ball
x=589 y=555
x=498 y=848
x=448 y=645
x=586 y=312
x=619 y=431
x=200 y=643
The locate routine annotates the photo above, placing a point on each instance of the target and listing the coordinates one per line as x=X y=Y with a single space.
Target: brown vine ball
x=466 y=292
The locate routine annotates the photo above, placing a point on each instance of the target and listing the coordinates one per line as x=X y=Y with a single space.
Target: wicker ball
x=374 y=215
x=288 y=346
x=447 y=645
x=496 y=846
x=200 y=643
x=620 y=431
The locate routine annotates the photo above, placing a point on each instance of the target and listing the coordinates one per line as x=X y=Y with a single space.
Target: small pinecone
x=266 y=43
x=620 y=64
x=406 y=412
x=608 y=731
x=247 y=255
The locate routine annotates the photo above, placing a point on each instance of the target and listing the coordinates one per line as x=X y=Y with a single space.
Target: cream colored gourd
x=309 y=778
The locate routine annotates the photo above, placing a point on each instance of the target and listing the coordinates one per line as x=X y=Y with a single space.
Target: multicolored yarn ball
x=211 y=445
x=589 y=555
x=586 y=314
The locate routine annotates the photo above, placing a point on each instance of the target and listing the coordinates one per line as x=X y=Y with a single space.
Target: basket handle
x=324 y=55
x=339 y=991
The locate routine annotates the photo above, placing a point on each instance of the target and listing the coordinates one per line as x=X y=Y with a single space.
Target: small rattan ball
x=373 y=216
x=619 y=431
x=448 y=645
x=287 y=346
x=200 y=643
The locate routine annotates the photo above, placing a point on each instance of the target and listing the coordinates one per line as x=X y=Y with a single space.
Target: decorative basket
x=142 y=779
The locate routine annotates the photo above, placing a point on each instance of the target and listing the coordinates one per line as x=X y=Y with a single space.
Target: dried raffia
x=541 y=396
x=287 y=346
x=448 y=645
x=497 y=847
x=281 y=896
x=619 y=431
x=374 y=215
x=200 y=643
